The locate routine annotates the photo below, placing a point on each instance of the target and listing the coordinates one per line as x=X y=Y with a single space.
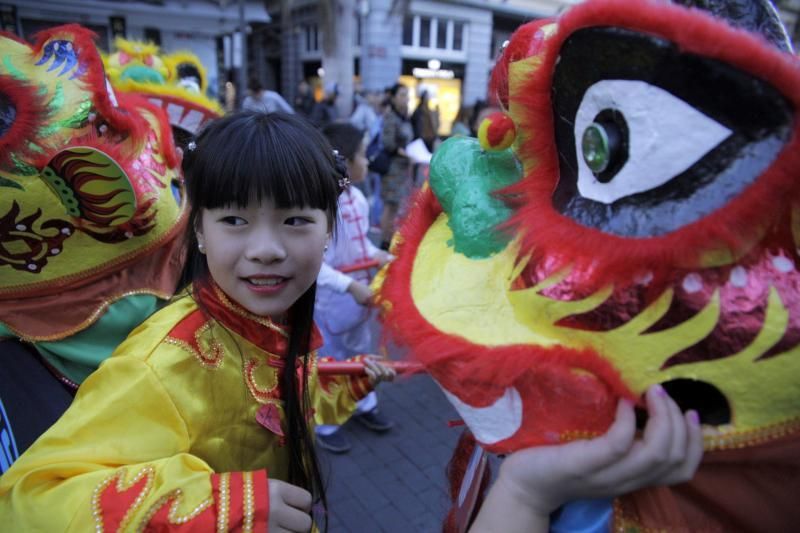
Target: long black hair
x=284 y=158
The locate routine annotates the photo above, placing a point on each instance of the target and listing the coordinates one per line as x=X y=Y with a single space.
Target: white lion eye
x=633 y=137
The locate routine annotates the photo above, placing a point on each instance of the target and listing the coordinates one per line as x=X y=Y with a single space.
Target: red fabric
x=261 y=500
x=751 y=489
x=235 y=501
x=114 y=504
x=615 y=259
x=160 y=522
x=215 y=494
x=253 y=328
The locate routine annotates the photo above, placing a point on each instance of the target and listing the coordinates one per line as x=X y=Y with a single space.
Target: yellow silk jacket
x=179 y=429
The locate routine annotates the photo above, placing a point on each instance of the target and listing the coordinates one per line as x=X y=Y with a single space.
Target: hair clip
x=344 y=183
x=191 y=146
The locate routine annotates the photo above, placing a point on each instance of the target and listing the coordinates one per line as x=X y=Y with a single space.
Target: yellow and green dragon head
x=175 y=82
x=91 y=194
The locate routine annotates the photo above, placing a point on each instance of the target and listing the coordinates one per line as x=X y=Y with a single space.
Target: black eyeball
x=604 y=144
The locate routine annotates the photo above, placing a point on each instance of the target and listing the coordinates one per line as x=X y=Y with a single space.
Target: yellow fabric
x=154 y=404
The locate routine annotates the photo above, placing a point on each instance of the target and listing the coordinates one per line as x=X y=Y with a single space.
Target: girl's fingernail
x=660 y=390
x=694 y=418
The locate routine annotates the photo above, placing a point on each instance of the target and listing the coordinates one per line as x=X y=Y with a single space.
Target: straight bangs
x=273 y=156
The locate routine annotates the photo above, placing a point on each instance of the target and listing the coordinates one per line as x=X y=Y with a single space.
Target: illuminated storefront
x=442 y=82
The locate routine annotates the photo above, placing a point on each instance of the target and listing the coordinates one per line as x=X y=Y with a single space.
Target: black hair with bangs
x=267 y=155
x=282 y=157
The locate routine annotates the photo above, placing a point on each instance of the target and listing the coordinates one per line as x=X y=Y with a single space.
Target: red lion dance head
x=643 y=228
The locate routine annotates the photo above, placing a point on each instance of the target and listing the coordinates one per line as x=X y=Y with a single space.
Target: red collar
x=259 y=330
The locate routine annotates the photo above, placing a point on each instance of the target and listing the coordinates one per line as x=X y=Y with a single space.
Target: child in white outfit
x=342 y=310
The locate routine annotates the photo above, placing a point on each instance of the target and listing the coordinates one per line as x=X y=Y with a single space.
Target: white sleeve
x=372 y=250
x=363 y=223
x=333 y=279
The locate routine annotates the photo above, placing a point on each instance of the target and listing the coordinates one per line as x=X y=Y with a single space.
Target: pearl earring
x=201 y=248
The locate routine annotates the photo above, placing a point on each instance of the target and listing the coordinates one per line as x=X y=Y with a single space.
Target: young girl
x=343 y=299
x=201 y=418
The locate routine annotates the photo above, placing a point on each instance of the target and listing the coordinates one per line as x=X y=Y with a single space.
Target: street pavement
x=395 y=482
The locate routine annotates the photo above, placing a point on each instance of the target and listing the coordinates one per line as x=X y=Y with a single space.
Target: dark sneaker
x=374 y=420
x=335 y=442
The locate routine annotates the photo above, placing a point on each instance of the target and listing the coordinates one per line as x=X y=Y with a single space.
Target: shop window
x=312 y=37
x=433 y=33
x=458 y=36
x=408 y=31
x=152 y=35
x=424 y=32
x=441 y=34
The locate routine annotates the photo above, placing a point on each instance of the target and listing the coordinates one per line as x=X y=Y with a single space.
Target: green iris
x=596 y=148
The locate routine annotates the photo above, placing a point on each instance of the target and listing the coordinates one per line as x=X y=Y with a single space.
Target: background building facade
x=444 y=47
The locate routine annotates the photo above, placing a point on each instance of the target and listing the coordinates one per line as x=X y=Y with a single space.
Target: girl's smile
x=262 y=256
x=266 y=284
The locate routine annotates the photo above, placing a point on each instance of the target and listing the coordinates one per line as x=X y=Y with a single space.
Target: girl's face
x=263 y=257
x=357 y=167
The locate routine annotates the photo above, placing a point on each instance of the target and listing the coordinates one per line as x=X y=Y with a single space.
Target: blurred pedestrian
x=304 y=101
x=425 y=121
x=395 y=184
x=325 y=111
x=263 y=100
x=461 y=122
x=343 y=300
x=364 y=114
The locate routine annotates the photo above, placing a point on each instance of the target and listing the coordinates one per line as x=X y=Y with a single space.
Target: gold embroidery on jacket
x=208 y=350
x=261 y=378
x=224 y=503
x=173 y=517
x=249 y=503
x=121 y=486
